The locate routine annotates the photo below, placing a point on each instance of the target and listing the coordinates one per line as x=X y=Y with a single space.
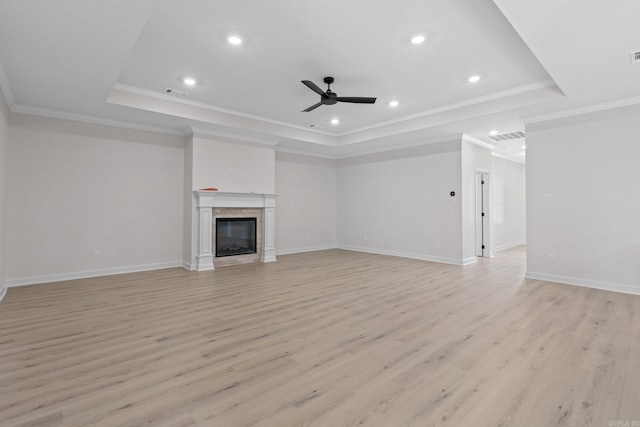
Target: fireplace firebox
x=235 y=236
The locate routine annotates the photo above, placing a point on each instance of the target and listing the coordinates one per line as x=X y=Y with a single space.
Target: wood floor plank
x=328 y=338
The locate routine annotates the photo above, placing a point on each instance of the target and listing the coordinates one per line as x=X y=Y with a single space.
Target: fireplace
x=235 y=236
x=212 y=205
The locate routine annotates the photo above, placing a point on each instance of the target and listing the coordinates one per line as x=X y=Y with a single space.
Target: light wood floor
x=331 y=338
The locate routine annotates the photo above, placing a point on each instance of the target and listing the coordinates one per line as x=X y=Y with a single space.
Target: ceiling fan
x=330 y=98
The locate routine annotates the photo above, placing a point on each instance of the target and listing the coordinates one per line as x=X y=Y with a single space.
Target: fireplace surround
x=210 y=204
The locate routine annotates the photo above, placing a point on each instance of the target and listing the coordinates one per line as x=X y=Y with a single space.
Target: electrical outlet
x=550 y=258
x=365 y=237
x=95 y=255
x=437 y=245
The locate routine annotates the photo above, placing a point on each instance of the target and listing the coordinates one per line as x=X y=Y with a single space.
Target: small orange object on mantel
x=209 y=189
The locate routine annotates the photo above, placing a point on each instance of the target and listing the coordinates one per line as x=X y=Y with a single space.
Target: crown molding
x=6 y=89
x=396 y=147
x=164 y=97
x=466 y=103
x=476 y=141
x=227 y=137
x=362 y=151
x=473 y=140
x=84 y=118
x=305 y=153
x=503 y=157
x=625 y=102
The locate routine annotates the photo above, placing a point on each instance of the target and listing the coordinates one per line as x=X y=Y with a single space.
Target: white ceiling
x=110 y=61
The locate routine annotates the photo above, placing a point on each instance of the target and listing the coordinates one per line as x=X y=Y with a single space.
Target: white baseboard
x=606 y=286
x=422 y=257
x=469 y=261
x=307 y=249
x=187 y=266
x=92 y=273
x=3 y=291
x=508 y=246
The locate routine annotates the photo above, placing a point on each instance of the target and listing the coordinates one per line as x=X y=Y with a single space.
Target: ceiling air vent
x=176 y=92
x=508 y=135
x=635 y=57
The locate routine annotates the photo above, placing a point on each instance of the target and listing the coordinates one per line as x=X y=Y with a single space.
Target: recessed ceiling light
x=393 y=103
x=335 y=121
x=493 y=132
x=475 y=78
x=189 y=81
x=418 y=39
x=234 y=40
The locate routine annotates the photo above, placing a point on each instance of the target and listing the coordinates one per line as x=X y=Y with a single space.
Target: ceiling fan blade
x=313 y=107
x=311 y=85
x=356 y=99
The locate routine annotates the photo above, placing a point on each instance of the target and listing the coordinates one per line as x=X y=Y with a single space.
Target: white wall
x=4 y=143
x=509 y=203
x=474 y=158
x=233 y=166
x=74 y=188
x=398 y=202
x=306 y=206
x=583 y=202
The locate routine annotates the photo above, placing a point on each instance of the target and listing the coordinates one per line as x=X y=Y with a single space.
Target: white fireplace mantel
x=207 y=200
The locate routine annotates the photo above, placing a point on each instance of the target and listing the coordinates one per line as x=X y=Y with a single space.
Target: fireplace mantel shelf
x=223 y=199
x=234 y=193
x=206 y=200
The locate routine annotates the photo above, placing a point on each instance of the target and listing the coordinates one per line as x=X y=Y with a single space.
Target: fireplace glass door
x=235 y=236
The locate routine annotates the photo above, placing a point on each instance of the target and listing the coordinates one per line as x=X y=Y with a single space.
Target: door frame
x=484 y=204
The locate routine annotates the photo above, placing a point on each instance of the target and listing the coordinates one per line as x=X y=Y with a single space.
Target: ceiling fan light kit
x=329 y=97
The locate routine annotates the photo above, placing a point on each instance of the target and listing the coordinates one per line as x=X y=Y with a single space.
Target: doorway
x=483 y=208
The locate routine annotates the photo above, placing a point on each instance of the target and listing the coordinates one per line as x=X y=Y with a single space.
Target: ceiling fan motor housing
x=330 y=98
